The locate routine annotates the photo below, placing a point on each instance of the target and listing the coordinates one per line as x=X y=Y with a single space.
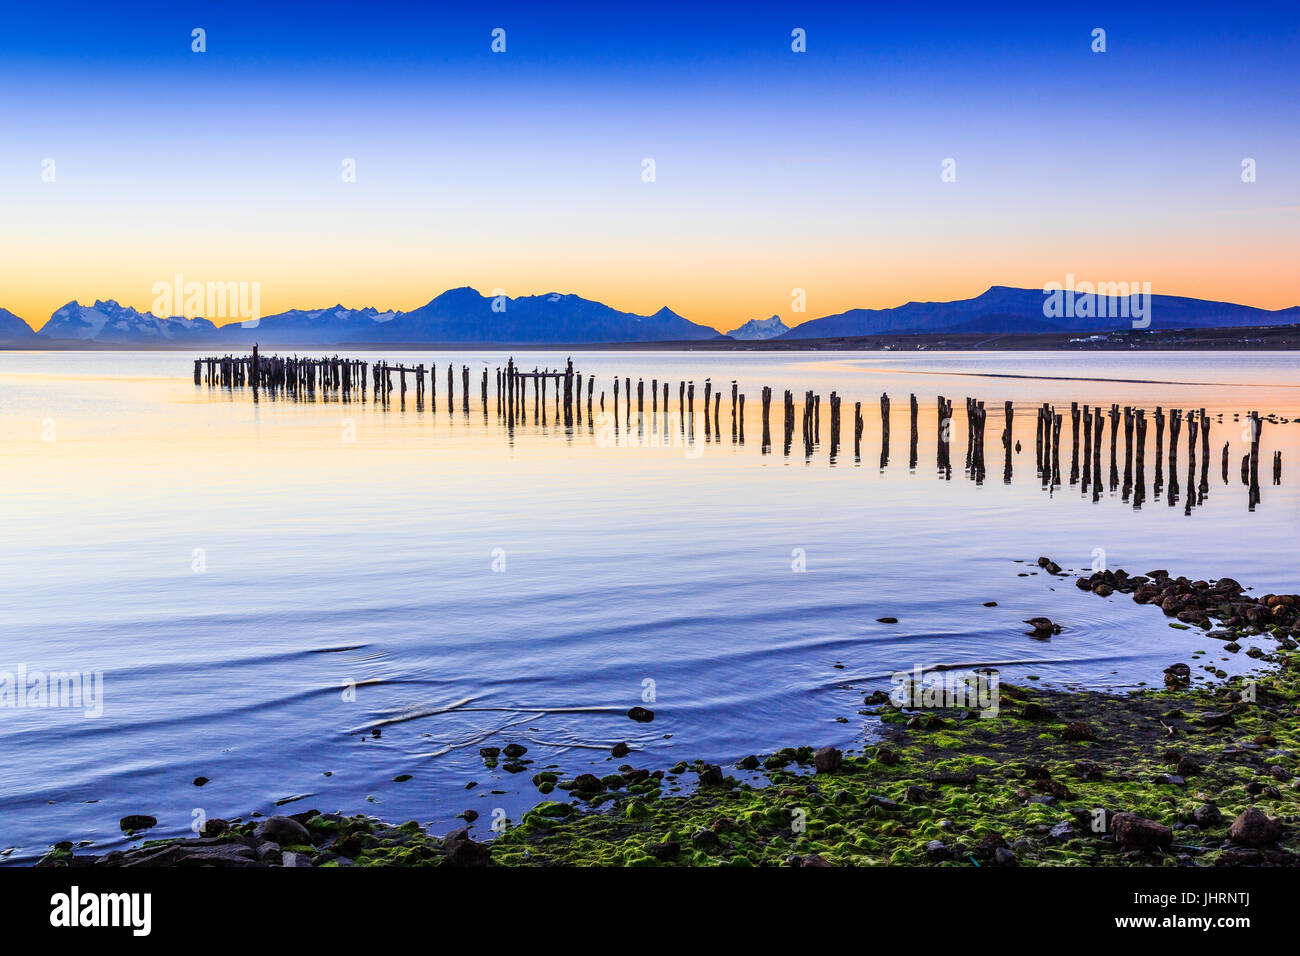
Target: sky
x=525 y=170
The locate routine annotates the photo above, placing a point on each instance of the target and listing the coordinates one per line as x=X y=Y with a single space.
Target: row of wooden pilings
x=354 y=379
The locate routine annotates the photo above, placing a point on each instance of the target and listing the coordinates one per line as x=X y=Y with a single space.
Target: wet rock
x=1050 y=566
x=886 y=620
x=668 y=850
x=711 y=776
x=1221 y=719
x=883 y=803
x=460 y=850
x=1088 y=770
x=620 y=750
x=812 y=859
x=470 y=816
x=641 y=715
x=1280 y=773
x=887 y=756
x=916 y=794
x=200 y=781
x=1178 y=674
x=214 y=827
x=938 y=851
x=1037 y=712
x=1004 y=857
x=268 y=853
x=704 y=839
x=1170 y=780
x=190 y=854
x=748 y=763
x=587 y=783
x=137 y=821
x=285 y=831
x=1078 y=731
x=1207 y=815
x=1062 y=831
x=1254 y=828
x=1135 y=832
x=514 y=750
x=827 y=759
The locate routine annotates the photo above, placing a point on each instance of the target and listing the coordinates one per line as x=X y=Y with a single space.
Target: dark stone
x=214 y=827
x=937 y=851
x=1077 y=730
x=620 y=750
x=1207 y=815
x=460 y=850
x=664 y=851
x=137 y=821
x=827 y=759
x=711 y=776
x=1134 y=832
x=704 y=839
x=1037 y=712
x=641 y=715
x=285 y=831
x=1254 y=828
x=514 y=750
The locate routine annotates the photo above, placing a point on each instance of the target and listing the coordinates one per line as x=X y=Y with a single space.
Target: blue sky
x=521 y=170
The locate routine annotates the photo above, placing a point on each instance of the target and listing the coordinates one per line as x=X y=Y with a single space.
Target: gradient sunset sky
x=523 y=170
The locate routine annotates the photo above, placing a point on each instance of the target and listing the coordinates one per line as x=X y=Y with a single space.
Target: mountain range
x=463 y=316
x=756 y=330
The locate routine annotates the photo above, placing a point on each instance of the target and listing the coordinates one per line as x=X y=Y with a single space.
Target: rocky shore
x=1190 y=774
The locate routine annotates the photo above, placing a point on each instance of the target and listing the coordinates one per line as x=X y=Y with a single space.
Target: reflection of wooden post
x=766 y=398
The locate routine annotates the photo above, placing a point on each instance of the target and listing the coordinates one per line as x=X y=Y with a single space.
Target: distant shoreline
x=1268 y=338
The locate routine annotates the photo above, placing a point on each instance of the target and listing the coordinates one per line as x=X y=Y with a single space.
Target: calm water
x=232 y=567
